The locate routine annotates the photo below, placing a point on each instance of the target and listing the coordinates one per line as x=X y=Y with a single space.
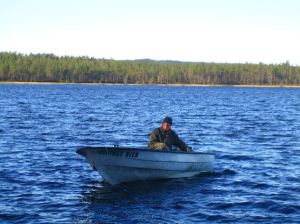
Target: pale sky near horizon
x=232 y=31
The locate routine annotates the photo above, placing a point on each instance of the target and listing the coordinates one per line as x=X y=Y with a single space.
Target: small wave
x=216 y=217
x=157 y=206
x=240 y=157
x=281 y=135
x=18 y=217
x=262 y=185
x=52 y=184
x=264 y=204
x=252 y=184
x=209 y=217
x=88 y=140
x=198 y=215
x=274 y=206
x=263 y=139
x=228 y=172
x=284 y=209
x=10 y=217
x=182 y=204
x=232 y=134
x=91 y=118
x=227 y=205
x=292 y=188
x=178 y=205
x=220 y=173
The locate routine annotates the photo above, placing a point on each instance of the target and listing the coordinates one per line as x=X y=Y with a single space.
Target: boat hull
x=118 y=165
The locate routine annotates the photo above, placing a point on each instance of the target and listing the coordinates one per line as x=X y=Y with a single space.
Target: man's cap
x=168 y=120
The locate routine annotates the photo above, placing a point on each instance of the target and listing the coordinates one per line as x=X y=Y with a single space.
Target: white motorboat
x=117 y=165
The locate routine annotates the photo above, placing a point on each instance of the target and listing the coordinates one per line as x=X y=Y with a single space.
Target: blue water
x=255 y=133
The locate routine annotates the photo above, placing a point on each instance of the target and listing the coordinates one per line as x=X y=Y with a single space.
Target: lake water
x=255 y=133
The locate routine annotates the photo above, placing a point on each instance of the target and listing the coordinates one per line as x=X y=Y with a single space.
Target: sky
x=221 y=31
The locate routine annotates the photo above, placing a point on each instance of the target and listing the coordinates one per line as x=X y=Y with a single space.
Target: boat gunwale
x=95 y=148
x=129 y=166
x=149 y=168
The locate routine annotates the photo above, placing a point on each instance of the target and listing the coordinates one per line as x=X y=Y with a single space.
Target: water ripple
x=254 y=132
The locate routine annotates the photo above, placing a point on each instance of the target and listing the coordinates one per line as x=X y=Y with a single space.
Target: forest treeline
x=51 y=68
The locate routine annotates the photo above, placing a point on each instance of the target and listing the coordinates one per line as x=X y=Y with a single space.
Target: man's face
x=166 y=126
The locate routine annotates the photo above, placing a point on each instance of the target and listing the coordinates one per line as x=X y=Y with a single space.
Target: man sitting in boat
x=164 y=138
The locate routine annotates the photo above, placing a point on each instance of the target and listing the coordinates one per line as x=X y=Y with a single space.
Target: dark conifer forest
x=15 y=67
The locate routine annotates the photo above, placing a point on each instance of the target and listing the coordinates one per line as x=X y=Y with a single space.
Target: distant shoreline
x=140 y=84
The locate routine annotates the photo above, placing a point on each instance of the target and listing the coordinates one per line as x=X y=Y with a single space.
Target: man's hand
x=160 y=146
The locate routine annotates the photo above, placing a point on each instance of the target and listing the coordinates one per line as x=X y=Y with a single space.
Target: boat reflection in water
x=117 y=164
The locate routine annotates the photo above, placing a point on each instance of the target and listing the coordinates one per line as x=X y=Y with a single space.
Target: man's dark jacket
x=170 y=138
